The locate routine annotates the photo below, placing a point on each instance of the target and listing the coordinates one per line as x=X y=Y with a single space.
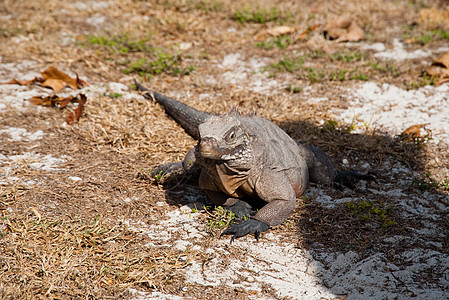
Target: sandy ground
x=324 y=251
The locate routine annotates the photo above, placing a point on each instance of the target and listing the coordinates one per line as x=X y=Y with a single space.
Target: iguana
x=247 y=162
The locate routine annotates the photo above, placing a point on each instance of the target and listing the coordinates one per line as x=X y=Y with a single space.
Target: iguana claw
x=349 y=178
x=240 y=209
x=242 y=228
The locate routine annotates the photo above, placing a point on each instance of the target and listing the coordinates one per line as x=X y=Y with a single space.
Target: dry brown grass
x=132 y=126
x=79 y=258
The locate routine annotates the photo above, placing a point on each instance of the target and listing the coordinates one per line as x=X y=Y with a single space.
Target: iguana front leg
x=188 y=166
x=278 y=192
x=238 y=207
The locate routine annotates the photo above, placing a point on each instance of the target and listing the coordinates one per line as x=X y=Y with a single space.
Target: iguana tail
x=188 y=117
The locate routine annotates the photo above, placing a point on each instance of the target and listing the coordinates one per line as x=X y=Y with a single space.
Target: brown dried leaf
x=74 y=116
x=261 y=36
x=343 y=29
x=22 y=82
x=355 y=33
x=36 y=213
x=434 y=17
x=57 y=80
x=44 y=101
x=80 y=82
x=443 y=60
x=415 y=130
x=55 y=84
x=53 y=101
x=54 y=79
x=281 y=30
x=440 y=67
x=442 y=81
x=306 y=32
x=66 y=101
x=276 y=31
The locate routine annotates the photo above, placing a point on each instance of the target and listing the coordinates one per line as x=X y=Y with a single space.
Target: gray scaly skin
x=248 y=159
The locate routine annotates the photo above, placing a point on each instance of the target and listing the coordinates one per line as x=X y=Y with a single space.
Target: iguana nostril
x=208 y=144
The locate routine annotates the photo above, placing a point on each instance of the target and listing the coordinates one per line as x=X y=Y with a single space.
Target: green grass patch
x=428 y=183
x=163 y=63
x=287 y=65
x=113 y=95
x=385 y=68
x=315 y=75
x=423 y=38
x=338 y=75
x=334 y=126
x=348 y=57
x=154 y=62
x=120 y=43
x=372 y=211
x=281 y=42
x=434 y=35
x=208 y=6
x=360 y=76
x=422 y=81
x=219 y=219
x=261 y=15
x=294 y=89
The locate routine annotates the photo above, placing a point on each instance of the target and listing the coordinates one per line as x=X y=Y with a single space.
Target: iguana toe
x=349 y=178
x=243 y=228
x=167 y=170
x=240 y=209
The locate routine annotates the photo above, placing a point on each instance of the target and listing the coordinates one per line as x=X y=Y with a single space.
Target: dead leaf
x=261 y=36
x=440 y=68
x=53 y=101
x=343 y=29
x=74 y=116
x=443 y=60
x=36 y=213
x=43 y=101
x=55 y=84
x=54 y=79
x=306 y=32
x=276 y=31
x=107 y=281
x=415 y=130
x=66 y=101
x=21 y=82
x=434 y=17
x=442 y=81
x=57 y=80
x=281 y=30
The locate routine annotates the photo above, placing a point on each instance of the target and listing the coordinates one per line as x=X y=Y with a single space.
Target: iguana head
x=224 y=139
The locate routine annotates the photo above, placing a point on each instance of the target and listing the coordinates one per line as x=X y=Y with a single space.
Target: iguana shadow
x=360 y=240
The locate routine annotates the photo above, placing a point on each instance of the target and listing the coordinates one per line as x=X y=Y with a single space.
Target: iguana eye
x=231 y=136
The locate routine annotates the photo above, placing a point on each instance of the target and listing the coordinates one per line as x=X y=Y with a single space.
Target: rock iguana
x=247 y=161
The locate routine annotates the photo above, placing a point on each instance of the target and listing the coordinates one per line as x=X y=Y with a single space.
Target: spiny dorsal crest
x=235 y=112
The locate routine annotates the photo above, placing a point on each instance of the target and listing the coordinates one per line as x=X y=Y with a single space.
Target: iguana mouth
x=208 y=148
